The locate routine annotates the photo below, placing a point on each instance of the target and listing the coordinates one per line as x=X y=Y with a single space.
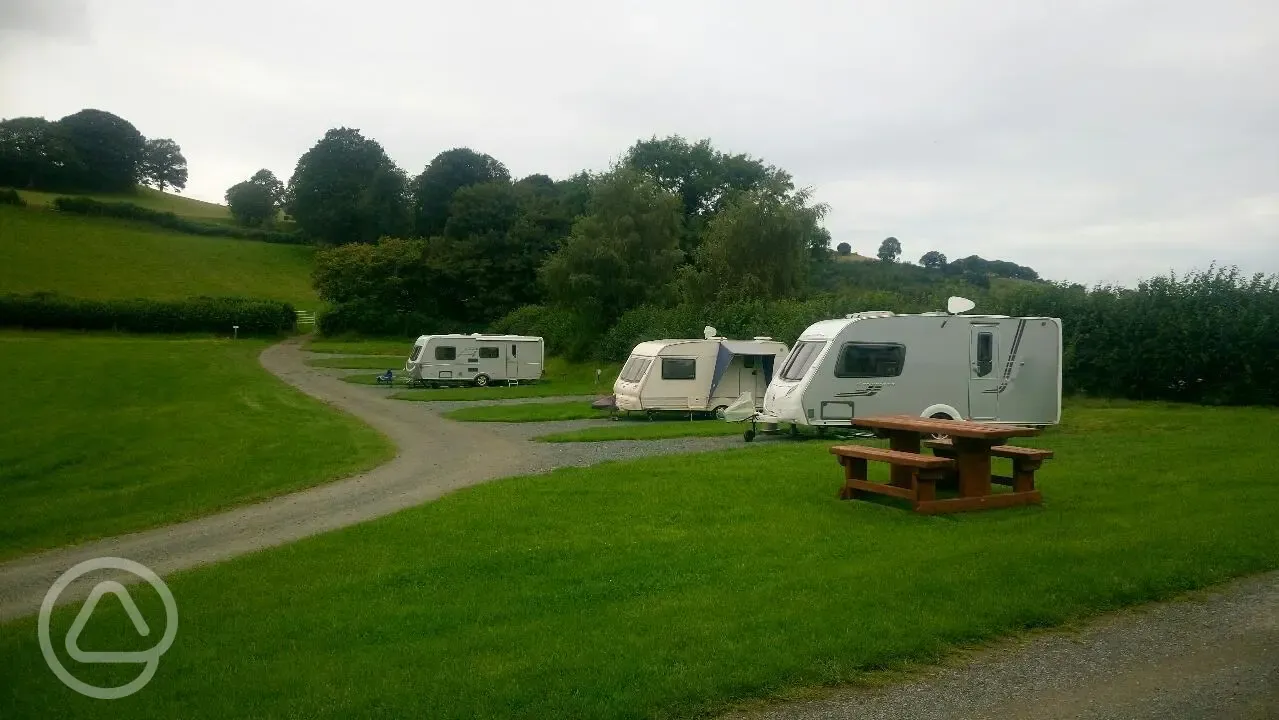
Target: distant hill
x=102 y=258
x=144 y=196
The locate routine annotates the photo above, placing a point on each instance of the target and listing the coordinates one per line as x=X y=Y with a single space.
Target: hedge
x=40 y=311
x=129 y=211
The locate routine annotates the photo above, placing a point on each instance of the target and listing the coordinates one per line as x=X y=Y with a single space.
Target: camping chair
x=386 y=378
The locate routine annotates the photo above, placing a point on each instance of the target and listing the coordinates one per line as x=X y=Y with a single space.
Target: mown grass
x=361 y=346
x=103 y=258
x=145 y=197
x=104 y=435
x=528 y=412
x=369 y=362
x=676 y=586
x=559 y=377
x=643 y=430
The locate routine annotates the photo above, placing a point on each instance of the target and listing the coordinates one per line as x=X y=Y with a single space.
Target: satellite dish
x=956 y=305
x=709 y=332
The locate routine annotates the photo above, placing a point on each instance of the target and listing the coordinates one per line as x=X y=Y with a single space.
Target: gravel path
x=1214 y=655
x=435 y=456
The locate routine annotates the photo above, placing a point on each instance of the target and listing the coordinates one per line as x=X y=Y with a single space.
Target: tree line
x=88 y=151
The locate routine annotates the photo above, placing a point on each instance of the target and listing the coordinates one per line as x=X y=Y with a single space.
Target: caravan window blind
x=445 y=352
x=487 y=352
x=802 y=358
x=679 y=368
x=870 y=360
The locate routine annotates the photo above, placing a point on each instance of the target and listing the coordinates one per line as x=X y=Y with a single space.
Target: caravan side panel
x=1032 y=391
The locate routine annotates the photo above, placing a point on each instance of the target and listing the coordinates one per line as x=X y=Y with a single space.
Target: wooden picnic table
x=971 y=447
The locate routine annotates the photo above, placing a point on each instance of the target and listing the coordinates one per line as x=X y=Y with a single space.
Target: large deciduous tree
x=890 y=249
x=758 y=246
x=110 y=149
x=37 y=154
x=622 y=253
x=447 y=173
x=163 y=165
x=702 y=177
x=933 y=260
x=346 y=189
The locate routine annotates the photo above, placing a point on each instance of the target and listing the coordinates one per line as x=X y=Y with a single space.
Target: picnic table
x=963 y=455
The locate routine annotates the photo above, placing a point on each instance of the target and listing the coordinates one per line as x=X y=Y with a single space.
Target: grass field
x=528 y=412
x=102 y=258
x=361 y=346
x=631 y=429
x=146 y=197
x=675 y=586
x=369 y=362
x=104 y=435
x=560 y=377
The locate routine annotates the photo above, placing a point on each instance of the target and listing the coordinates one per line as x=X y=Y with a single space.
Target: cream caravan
x=696 y=375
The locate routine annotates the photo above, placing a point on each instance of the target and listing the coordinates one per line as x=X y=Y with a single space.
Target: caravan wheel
x=481 y=380
x=940 y=416
x=719 y=411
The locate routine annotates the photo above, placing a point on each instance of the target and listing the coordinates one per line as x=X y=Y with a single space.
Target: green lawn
x=528 y=412
x=370 y=362
x=103 y=258
x=146 y=197
x=105 y=435
x=675 y=586
x=630 y=429
x=362 y=346
x=560 y=377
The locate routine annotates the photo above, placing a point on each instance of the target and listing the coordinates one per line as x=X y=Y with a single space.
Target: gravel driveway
x=435 y=456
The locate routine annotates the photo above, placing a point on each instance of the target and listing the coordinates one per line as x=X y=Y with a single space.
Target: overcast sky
x=1137 y=136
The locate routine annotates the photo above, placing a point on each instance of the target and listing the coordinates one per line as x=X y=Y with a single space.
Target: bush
x=9 y=196
x=129 y=211
x=40 y=311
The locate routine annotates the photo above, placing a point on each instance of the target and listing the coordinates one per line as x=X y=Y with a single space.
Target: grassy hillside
x=104 y=258
x=146 y=197
x=162 y=430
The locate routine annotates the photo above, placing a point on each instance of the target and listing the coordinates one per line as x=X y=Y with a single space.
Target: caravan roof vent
x=761 y=337
x=868 y=314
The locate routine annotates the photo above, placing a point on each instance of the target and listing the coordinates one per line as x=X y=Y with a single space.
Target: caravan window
x=870 y=360
x=417 y=350
x=445 y=352
x=802 y=358
x=487 y=352
x=985 y=353
x=679 y=368
x=635 y=368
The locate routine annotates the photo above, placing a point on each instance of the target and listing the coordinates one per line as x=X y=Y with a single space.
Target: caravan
x=985 y=368
x=474 y=359
x=696 y=375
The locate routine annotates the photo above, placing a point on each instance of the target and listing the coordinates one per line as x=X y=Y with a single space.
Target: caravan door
x=983 y=381
x=513 y=362
x=759 y=384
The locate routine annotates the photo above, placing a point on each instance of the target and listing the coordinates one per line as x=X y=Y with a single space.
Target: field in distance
x=145 y=197
x=104 y=258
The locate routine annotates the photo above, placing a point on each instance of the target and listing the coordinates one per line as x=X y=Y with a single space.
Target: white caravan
x=985 y=368
x=696 y=375
x=474 y=359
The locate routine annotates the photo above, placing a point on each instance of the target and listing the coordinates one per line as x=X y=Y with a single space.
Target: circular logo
x=151 y=658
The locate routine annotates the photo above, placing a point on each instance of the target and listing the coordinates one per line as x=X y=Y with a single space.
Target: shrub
x=9 y=196
x=200 y=314
x=129 y=211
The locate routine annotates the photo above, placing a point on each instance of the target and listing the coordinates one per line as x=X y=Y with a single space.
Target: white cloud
x=1098 y=140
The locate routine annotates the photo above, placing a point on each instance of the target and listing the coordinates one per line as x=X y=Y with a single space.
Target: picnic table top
x=955 y=428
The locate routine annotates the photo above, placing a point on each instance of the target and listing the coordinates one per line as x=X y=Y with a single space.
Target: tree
x=623 y=252
x=163 y=165
x=933 y=260
x=268 y=180
x=702 y=177
x=345 y=189
x=37 y=154
x=250 y=203
x=110 y=149
x=447 y=173
x=890 y=249
x=844 y=248
x=757 y=246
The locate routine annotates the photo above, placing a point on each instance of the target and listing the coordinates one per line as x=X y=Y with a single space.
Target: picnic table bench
x=965 y=457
